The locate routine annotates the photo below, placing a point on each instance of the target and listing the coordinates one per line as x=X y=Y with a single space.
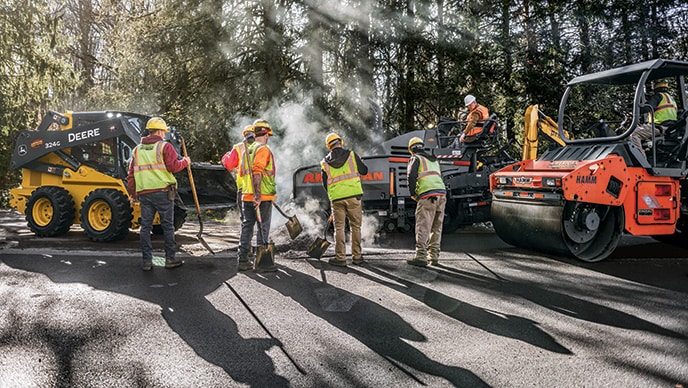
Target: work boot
x=271 y=268
x=358 y=261
x=417 y=262
x=337 y=263
x=245 y=265
x=173 y=263
x=147 y=265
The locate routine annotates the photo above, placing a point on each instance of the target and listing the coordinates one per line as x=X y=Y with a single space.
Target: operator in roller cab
x=151 y=183
x=664 y=113
x=427 y=189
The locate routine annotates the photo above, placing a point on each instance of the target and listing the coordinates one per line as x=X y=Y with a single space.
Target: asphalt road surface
x=81 y=314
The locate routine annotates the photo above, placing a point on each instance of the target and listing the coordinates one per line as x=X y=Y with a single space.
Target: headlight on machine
x=551 y=182
x=503 y=180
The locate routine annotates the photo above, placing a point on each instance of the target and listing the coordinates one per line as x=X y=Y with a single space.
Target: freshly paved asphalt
x=76 y=313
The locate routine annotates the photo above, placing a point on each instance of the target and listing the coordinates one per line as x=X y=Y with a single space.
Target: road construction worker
x=427 y=189
x=477 y=114
x=238 y=158
x=341 y=177
x=151 y=183
x=665 y=114
x=259 y=191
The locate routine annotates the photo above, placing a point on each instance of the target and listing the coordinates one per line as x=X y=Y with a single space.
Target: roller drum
x=531 y=225
x=588 y=232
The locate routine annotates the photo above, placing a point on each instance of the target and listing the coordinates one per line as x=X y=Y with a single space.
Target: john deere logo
x=523 y=180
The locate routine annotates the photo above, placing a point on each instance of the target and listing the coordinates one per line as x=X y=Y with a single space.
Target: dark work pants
x=150 y=203
x=248 y=223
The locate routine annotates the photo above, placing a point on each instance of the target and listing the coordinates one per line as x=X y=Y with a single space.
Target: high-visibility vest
x=344 y=181
x=267 y=185
x=150 y=172
x=243 y=165
x=666 y=109
x=484 y=115
x=429 y=176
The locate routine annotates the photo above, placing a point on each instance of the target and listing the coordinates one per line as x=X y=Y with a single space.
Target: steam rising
x=298 y=142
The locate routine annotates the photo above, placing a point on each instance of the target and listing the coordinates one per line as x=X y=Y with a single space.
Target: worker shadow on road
x=494 y=322
x=182 y=295
x=559 y=302
x=378 y=328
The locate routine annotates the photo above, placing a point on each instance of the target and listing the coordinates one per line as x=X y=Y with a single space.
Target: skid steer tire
x=179 y=219
x=106 y=215
x=49 y=211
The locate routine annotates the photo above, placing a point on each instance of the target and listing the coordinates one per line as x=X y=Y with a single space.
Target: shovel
x=265 y=253
x=320 y=245
x=198 y=207
x=293 y=226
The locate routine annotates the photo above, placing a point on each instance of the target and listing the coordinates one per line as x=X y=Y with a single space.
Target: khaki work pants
x=429 y=218
x=341 y=209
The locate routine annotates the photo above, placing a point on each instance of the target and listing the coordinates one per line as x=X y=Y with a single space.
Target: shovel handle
x=279 y=210
x=327 y=225
x=193 y=184
x=260 y=225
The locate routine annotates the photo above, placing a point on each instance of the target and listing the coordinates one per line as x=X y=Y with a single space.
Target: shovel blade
x=318 y=248
x=293 y=227
x=265 y=258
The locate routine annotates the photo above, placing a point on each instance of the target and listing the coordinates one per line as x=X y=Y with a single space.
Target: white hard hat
x=469 y=99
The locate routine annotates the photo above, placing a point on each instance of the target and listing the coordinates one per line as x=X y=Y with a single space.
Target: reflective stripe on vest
x=267 y=185
x=484 y=115
x=666 y=109
x=429 y=176
x=344 y=181
x=150 y=172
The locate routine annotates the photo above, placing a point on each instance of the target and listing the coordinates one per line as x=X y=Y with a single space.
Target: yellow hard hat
x=331 y=138
x=261 y=127
x=661 y=84
x=156 y=124
x=248 y=131
x=413 y=142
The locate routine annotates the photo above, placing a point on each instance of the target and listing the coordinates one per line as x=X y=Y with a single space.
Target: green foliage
x=33 y=77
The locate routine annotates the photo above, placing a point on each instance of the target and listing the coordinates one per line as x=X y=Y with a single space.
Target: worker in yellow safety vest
x=258 y=191
x=664 y=115
x=427 y=189
x=238 y=159
x=341 y=177
x=151 y=183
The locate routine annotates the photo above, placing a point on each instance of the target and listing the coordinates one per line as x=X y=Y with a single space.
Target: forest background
x=210 y=67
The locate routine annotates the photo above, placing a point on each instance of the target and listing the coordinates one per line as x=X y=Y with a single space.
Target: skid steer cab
x=74 y=169
x=578 y=200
